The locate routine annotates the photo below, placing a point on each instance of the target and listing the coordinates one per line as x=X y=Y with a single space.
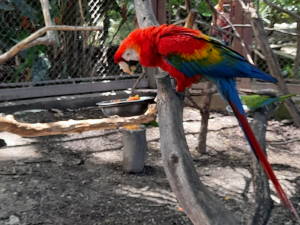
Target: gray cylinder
x=134 y=150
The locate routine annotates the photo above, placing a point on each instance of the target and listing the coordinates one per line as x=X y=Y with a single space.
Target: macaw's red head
x=128 y=53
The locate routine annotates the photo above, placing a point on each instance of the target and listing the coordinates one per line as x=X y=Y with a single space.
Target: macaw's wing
x=193 y=55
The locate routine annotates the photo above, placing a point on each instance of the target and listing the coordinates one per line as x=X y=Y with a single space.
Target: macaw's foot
x=181 y=95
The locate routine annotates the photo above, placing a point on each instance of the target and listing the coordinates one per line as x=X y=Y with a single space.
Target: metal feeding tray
x=124 y=107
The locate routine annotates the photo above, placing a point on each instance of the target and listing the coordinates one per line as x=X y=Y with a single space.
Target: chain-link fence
x=80 y=54
x=281 y=29
x=283 y=41
x=89 y=54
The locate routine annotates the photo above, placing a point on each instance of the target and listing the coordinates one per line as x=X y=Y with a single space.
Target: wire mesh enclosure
x=76 y=54
x=89 y=54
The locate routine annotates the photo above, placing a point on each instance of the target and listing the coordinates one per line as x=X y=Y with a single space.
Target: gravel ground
x=78 y=178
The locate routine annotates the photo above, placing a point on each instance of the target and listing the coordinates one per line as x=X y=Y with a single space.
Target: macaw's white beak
x=126 y=68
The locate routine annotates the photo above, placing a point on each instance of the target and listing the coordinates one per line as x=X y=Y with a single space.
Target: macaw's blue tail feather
x=254 y=72
x=229 y=92
x=227 y=88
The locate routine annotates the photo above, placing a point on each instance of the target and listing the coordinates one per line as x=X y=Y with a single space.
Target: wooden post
x=134 y=150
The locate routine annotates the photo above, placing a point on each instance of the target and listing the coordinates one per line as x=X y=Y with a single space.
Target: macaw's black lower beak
x=128 y=66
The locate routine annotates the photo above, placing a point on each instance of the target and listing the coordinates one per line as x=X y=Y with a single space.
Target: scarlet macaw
x=187 y=55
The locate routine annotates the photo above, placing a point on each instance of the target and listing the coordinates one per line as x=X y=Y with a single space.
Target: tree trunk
x=263 y=201
x=200 y=205
x=297 y=59
x=205 y=112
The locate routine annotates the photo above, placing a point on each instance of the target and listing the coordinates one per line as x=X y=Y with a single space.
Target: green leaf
x=152 y=124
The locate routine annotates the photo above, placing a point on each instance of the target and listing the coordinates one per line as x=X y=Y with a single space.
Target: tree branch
x=27 y=42
x=50 y=38
x=281 y=9
x=9 y=124
x=296 y=68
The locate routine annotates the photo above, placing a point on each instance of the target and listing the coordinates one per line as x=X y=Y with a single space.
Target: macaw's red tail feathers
x=260 y=155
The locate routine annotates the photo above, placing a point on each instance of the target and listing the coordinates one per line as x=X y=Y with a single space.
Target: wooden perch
x=27 y=41
x=200 y=205
x=9 y=124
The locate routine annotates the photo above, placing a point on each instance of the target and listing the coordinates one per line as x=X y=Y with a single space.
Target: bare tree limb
x=27 y=41
x=200 y=205
x=9 y=124
x=296 y=68
x=50 y=37
x=281 y=9
x=191 y=18
x=273 y=64
x=188 y=5
x=205 y=112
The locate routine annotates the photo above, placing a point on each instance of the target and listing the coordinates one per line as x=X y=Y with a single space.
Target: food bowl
x=125 y=107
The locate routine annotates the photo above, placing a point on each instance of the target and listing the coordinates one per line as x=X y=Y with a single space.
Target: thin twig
x=189 y=97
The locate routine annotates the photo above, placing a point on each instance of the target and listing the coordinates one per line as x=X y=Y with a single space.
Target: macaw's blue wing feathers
x=211 y=59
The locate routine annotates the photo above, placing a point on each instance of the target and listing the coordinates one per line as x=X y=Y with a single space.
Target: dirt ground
x=78 y=178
